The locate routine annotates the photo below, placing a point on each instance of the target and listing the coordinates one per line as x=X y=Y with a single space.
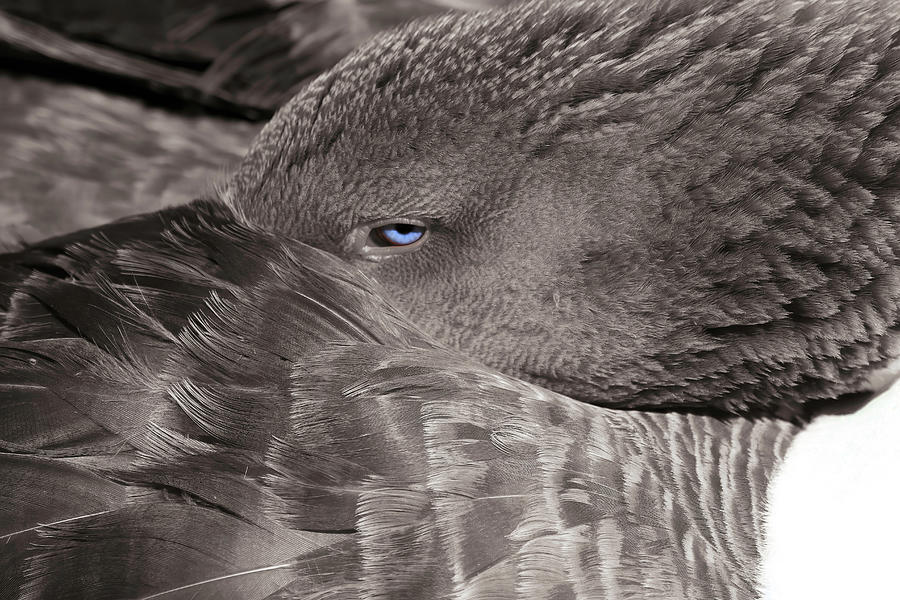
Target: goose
x=583 y=272
x=199 y=409
x=638 y=204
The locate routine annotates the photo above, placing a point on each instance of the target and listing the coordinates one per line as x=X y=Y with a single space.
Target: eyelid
x=357 y=241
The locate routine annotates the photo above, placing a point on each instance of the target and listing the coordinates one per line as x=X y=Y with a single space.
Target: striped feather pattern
x=238 y=415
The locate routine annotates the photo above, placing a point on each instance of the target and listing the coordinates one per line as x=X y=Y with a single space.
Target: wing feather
x=249 y=418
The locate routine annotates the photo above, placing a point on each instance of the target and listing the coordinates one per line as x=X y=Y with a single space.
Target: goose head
x=684 y=204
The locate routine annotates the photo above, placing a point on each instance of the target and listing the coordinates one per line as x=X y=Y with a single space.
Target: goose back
x=198 y=409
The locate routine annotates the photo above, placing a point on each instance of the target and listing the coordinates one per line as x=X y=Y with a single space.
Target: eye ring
x=387 y=237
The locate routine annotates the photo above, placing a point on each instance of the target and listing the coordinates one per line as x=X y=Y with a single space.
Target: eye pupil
x=398 y=234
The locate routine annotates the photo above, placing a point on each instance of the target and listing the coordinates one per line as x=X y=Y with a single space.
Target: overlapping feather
x=242 y=56
x=194 y=409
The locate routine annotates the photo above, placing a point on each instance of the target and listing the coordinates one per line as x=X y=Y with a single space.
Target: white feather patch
x=833 y=525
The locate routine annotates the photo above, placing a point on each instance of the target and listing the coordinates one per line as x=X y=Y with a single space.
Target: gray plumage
x=195 y=409
x=635 y=204
x=243 y=57
x=669 y=206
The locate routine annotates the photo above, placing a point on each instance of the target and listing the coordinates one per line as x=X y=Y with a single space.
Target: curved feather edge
x=290 y=435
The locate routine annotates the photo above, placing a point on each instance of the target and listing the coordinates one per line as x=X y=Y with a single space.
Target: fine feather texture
x=283 y=432
x=634 y=203
x=249 y=417
x=74 y=156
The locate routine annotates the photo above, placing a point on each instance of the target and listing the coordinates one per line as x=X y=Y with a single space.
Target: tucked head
x=636 y=204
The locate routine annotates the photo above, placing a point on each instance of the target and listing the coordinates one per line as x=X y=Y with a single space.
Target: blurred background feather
x=113 y=108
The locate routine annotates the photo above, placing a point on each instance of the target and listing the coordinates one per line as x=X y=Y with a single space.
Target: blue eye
x=397 y=234
x=386 y=238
